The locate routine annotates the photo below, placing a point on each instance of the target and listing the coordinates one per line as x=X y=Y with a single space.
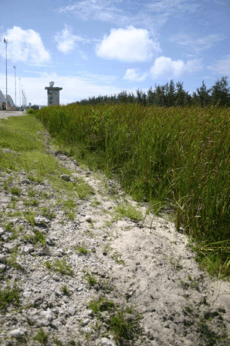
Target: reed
x=178 y=154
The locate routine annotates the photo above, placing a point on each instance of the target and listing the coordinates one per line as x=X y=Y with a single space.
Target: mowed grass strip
x=177 y=154
x=24 y=136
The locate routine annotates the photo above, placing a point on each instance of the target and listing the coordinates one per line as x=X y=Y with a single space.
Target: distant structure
x=52 y=94
x=10 y=102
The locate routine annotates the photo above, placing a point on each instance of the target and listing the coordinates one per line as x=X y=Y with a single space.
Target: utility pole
x=15 y=84
x=5 y=41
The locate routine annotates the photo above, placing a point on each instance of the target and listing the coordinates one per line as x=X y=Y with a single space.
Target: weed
x=12 y=260
x=127 y=210
x=29 y=216
x=32 y=193
x=117 y=258
x=60 y=266
x=45 y=211
x=122 y=322
x=92 y=281
x=57 y=342
x=65 y=290
x=95 y=203
x=41 y=337
x=176 y=264
x=9 y=296
x=82 y=250
x=15 y=191
x=31 y=202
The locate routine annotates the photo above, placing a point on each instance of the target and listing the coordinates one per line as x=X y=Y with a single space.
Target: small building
x=52 y=94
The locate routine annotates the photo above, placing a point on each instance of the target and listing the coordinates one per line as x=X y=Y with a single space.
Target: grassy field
x=161 y=155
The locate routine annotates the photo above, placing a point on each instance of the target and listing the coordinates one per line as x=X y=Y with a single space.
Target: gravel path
x=142 y=266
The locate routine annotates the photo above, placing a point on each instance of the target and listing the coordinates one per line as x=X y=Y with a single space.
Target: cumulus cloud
x=66 y=41
x=166 y=67
x=132 y=75
x=130 y=44
x=25 y=46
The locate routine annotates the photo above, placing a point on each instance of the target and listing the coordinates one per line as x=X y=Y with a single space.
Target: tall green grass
x=181 y=154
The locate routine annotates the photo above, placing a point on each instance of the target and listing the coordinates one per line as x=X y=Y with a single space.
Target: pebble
x=2 y=231
x=2 y=258
x=17 y=333
x=107 y=342
x=9 y=247
x=2 y=267
x=85 y=322
x=25 y=181
x=65 y=177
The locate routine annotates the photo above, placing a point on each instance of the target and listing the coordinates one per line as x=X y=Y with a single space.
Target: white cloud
x=130 y=44
x=222 y=66
x=66 y=41
x=102 y=10
x=150 y=13
x=132 y=75
x=25 y=46
x=166 y=67
x=196 y=44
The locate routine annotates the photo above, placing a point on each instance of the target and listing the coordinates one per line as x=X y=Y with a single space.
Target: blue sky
x=101 y=47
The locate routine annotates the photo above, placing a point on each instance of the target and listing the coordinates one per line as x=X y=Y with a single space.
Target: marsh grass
x=181 y=155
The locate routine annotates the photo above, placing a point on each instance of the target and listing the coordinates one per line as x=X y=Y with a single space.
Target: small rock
x=72 y=311
x=56 y=277
x=17 y=333
x=107 y=342
x=25 y=181
x=41 y=221
x=2 y=258
x=58 y=253
x=47 y=315
x=27 y=249
x=65 y=177
x=85 y=322
x=9 y=247
x=26 y=294
x=75 y=162
x=2 y=231
x=45 y=251
x=2 y=267
x=50 y=242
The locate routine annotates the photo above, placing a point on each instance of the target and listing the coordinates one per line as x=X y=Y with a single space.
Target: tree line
x=170 y=95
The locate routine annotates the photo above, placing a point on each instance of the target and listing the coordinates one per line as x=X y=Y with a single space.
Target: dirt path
x=6 y=114
x=141 y=265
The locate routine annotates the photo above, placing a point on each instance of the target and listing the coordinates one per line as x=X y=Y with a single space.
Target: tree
x=220 y=93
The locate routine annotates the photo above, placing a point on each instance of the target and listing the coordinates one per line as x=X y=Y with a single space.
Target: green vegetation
x=65 y=290
x=8 y=296
x=176 y=155
x=60 y=266
x=124 y=323
x=127 y=210
x=41 y=337
x=15 y=191
x=82 y=250
x=91 y=279
x=37 y=237
x=25 y=136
